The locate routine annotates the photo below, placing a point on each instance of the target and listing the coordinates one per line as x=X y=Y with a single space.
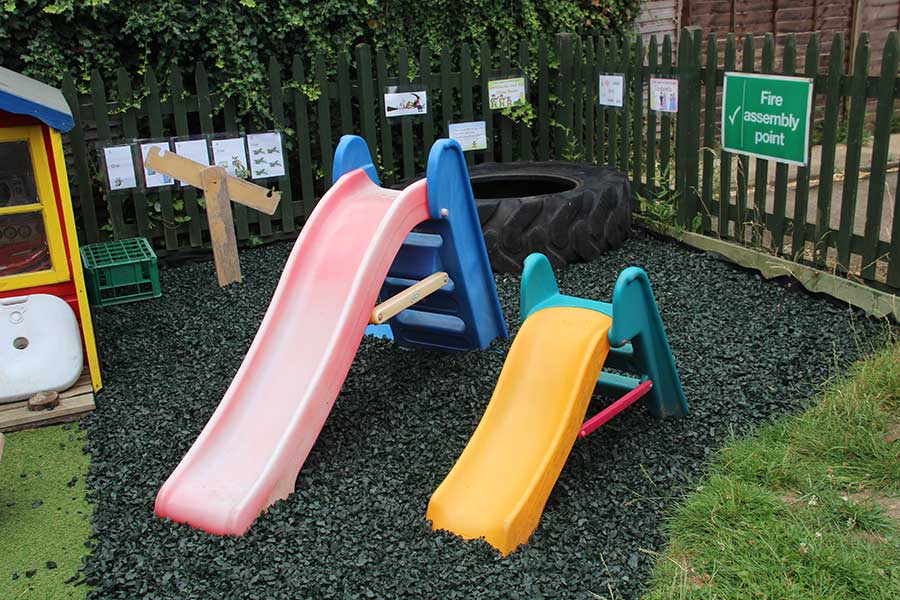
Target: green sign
x=767 y=116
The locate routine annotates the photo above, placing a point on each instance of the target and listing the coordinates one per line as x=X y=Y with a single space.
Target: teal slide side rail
x=352 y=153
x=637 y=338
x=636 y=319
x=540 y=290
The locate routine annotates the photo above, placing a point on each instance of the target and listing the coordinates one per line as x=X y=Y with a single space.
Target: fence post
x=525 y=152
x=387 y=137
x=709 y=133
x=564 y=44
x=665 y=127
x=725 y=158
x=466 y=83
x=652 y=61
x=855 y=126
x=761 y=181
x=82 y=172
x=543 y=108
x=577 y=98
x=286 y=206
x=484 y=55
x=406 y=126
x=743 y=175
x=829 y=146
x=506 y=141
x=427 y=80
x=637 y=112
x=324 y=119
x=612 y=136
x=301 y=117
x=130 y=129
x=188 y=193
x=687 y=125
x=880 y=145
x=779 y=210
x=801 y=196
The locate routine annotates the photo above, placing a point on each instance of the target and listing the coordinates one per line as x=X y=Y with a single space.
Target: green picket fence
x=673 y=162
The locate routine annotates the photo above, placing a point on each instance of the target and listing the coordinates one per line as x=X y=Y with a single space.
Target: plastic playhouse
x=46 y=336
x=418 y=256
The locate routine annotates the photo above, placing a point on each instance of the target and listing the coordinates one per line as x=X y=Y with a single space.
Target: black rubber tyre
x=571 y=212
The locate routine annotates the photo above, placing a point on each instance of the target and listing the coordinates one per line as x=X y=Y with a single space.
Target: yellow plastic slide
x=499 y=485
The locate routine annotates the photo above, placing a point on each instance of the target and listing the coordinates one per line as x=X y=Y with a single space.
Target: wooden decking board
x=73 y=403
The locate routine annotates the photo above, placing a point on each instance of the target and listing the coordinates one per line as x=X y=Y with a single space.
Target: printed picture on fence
x=195 y=150
x=266 y=155
x=664 y=95
x=231 y=154
x=471 y=136
x=505 y=93
x=399 y=104
x=120 y=173
x=153 y=178
x=611 y=88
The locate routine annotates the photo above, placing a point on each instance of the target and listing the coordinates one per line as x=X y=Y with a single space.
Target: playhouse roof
x=25 y=96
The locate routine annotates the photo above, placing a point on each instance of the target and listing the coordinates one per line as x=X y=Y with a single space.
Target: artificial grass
x=44 y=516
x=806 y=508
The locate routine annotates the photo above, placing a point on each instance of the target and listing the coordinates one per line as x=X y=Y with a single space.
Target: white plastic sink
x=40 y=346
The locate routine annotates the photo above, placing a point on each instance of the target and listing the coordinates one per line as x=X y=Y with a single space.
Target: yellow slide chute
x=499 y=485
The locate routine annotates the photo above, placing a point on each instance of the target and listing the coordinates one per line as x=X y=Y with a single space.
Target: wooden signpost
x=220 y=189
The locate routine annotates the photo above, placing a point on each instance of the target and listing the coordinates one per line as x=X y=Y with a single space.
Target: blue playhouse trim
x=465 y=314
x=637 y=338
x=25 y=96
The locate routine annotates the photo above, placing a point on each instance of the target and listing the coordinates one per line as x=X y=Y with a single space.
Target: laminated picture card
x=399 y=104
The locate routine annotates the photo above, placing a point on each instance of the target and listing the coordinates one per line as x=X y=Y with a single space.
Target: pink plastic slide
x=251 y=450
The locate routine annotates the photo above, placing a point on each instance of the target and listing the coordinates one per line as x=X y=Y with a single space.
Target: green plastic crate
x=120 y=271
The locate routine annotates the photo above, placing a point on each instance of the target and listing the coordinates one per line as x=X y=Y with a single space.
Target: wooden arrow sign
x=220 y=189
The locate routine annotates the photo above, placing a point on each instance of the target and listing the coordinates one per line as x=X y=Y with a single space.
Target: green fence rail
x=674 y=162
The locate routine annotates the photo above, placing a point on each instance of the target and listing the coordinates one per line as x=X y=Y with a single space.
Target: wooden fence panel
x=569 y=122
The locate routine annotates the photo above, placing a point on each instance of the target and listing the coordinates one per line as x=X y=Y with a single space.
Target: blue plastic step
x=419 y=257
x=433 y=322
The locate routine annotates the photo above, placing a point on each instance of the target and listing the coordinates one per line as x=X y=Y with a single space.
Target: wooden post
x=221 y=225
x=220 y=189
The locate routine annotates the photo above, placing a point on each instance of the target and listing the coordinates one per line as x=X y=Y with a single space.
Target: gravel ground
x=748 y=351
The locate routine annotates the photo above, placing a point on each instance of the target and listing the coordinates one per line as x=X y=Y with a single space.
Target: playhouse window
x=23 y=244
x=31 y=250
x=17 y=185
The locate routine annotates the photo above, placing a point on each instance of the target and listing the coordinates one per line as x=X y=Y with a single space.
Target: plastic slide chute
x=499 y=485
x=251 y=450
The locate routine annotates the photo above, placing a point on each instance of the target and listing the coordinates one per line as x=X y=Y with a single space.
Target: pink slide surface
x=252 y=448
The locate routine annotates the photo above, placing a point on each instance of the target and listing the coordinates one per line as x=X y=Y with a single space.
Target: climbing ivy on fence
x=236 y=38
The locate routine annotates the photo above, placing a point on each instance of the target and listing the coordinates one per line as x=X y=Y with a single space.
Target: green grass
x=806 y=508
x=44 y=517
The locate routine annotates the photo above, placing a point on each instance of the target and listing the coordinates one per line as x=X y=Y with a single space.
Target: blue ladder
x=465 y=314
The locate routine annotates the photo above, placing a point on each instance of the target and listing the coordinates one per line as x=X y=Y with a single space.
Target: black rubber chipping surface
x=748 y=351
